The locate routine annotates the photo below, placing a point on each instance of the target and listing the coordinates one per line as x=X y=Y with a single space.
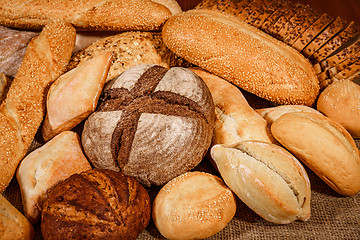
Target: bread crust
x=325 y=146
x=243 y=55
x=23 y=110
x=91 y=15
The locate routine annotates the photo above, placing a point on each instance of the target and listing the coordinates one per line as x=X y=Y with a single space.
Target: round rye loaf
x=152 y=123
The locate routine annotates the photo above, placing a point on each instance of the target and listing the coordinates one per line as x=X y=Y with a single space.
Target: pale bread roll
x=194 y=205
x=13 y=225
x=340 y=101
x=23 y=110
x=235 y=120
x=324 y=146
x=77 y=92
x=267 y=178
x=270 y=114
x=114 y=15
x=44 y=167
x=243 y=55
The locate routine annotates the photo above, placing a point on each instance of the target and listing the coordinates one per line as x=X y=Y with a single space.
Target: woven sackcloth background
x=332 y=216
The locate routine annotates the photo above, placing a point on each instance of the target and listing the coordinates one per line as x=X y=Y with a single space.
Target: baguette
x=93 y=15
x=23 y=109
x=243 y=55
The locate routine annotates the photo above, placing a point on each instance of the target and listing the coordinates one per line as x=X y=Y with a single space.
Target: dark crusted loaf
x=96 y=204
x=151 y=123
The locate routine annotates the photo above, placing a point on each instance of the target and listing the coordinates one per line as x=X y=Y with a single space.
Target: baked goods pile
x=124 y=113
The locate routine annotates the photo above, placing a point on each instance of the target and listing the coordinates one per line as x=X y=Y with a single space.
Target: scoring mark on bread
x=276 y=171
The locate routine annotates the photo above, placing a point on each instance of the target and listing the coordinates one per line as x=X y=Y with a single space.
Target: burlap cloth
x=332 y=215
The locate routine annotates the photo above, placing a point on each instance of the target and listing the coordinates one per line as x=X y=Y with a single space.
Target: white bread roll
x=93 y=15
x=13 y=225
x=324 y=146
x=243 y=55
x=267 y=178
x=340 y=101
x=235 y=120
x=194 y=205
x=44 y=167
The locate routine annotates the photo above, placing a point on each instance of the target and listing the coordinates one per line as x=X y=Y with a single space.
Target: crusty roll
x=4 y=86
x=23 y=110
x=44 y=167
x=243 y=55
x=267 y=178
x=90 y=15
x=13 y=225
x=77 y=92
x=324 y=146
x=151 y=123
x=341 y=102
x=270 y=114
x=195 y=205
x=96 y=204
x=235 y=120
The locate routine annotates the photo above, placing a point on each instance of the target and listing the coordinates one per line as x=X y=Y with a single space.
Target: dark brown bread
x=96 y=204
x=334 y=28
x=314 y=30
x=151 y=123
x=349 y=32
x=231 y=7
x=269 y=7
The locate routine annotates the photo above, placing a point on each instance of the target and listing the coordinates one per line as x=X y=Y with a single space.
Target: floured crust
x=91 y=15
x=267 y=178
x=242 y=55
x=324 y=146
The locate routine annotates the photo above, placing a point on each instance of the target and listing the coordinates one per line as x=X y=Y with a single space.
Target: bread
x=235 y=120
x=13 y=225
x=311 y=32
x=96 y=204
x=267 y=178
x=283 y=20
x=172 y=5
x=301 y=21
x=151 y=123
x=269 y=7
x=44 y=167
x=129 y=49
x=337 y=41
x=330 y=31
x=23 y=110
x=256 y=8
x=195 y=205
x=271 y=114
x=13 y=45
x=94 y=15
x=324 y=146
x=349 y=71
x=4 y=86
x=269 y=23
x=77 y=98
x=243 y=55
x=340 y=102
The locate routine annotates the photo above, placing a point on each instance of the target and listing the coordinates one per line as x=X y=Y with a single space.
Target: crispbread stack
x=331 y=43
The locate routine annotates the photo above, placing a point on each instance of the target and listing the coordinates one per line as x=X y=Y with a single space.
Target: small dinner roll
x=195 y=205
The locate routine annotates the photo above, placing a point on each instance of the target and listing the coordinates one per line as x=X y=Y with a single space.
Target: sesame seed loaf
x=23 y=110
x=85 y=15
x=314 y=30
x=349 y=32
x=243 y=55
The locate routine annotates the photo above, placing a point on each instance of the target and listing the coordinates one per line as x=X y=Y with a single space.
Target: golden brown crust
x=242 y=55
x=23 y=110
x=325 y=146
x=13 y=225
x=85 y=15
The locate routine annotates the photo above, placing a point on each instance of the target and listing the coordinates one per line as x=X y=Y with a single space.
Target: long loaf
x=23 y=109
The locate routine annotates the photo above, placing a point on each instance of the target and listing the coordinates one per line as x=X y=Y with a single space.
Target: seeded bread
x=269 y=23
x=269 y=7
x=313 y=31
x=283 y=20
